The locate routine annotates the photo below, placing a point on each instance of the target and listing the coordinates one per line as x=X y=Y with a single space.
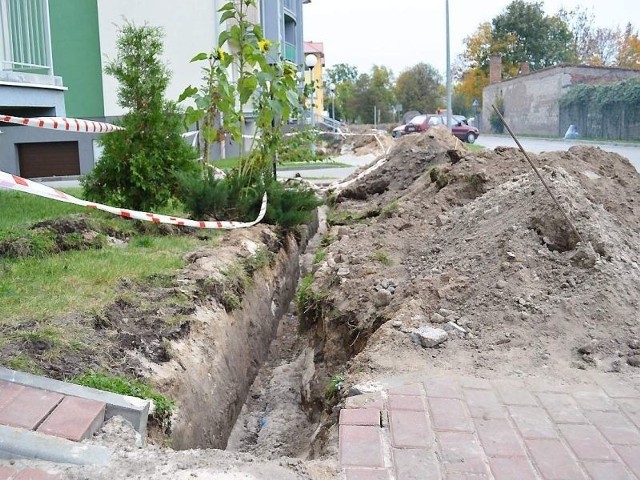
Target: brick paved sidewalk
x=462 y=428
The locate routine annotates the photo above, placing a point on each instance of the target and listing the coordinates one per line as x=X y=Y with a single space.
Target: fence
x=25 y=38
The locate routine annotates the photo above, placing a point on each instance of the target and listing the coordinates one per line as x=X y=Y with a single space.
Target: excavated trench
x=243 y=392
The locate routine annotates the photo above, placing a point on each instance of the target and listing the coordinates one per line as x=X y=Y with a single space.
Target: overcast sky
x=402 y=33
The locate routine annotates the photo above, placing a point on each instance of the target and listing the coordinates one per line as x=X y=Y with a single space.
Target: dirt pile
x=471 y=241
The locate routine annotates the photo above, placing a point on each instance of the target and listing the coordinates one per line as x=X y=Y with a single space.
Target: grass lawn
x=40 y=286
x=19 y=210
x=229 y=163
x=474 y=147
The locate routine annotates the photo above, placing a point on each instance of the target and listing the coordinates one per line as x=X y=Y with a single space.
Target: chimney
x=524 y=68
x=495 y=68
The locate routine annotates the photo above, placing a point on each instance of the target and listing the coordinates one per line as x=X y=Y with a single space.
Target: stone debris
x=429 y=337
x=454 y=330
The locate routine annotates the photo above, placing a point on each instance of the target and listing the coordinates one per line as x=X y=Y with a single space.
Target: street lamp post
x=449 y=88
x=332 y=88
x=311 y=61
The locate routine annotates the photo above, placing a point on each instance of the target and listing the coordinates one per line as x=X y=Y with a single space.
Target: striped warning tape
x=13 y=182
x=60 y=123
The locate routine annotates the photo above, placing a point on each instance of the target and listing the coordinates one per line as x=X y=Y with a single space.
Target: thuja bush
x=238 y=197
x=139 y=164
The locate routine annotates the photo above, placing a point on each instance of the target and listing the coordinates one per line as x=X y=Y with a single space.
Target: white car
x=398 y=131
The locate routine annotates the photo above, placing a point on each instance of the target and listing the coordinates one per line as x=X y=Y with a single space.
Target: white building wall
x=189 y=28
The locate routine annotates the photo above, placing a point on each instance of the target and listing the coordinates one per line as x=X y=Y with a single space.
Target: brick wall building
x=532 y=100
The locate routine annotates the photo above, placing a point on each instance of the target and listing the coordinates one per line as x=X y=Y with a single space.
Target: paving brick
x=498 y=438
x=631 y=407
x=29 y=408
x=414 y=389
x=366 y=474
x=607 y=471
x=36 y=474
x=533 y=422
x=510 y=468
x=587 y=442
x=366 y=400
x=8 y=391
x=562 y=408
x=406 y=402
x=360 y=446
x=618 y=389
x=416 y=464
x=410 y=429
x=594 y=401
x=466 y=476
x=475 y=383
x=631 y=456
x=442 y=387
x=615 y=427
x=484 y=404
x=546 y=385
x=461 y=453
x=360 y=416
x=515 y=393
x=74 y=419
x=7 y=473
x=553 y=460
x=450 y=414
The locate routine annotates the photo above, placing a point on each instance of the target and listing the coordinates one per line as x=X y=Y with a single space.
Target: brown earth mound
x=439 y=234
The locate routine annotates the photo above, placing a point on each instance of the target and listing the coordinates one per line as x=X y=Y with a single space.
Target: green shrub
x=494 y=120
x=439 y=177
x=319 y=256
x=310 y=304
x=139 y=164
x=382 y=257
x=239 y=198
x=333 y=387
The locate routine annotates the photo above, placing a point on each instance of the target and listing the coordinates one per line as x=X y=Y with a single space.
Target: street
x=537 y=145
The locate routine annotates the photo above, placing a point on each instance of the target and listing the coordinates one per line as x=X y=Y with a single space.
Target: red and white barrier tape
x=13 y=182
x=60 y=123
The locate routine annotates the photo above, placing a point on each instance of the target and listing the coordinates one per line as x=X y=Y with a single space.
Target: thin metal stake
x=538 y=173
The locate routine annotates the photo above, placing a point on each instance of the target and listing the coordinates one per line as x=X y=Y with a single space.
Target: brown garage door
x=48 y=159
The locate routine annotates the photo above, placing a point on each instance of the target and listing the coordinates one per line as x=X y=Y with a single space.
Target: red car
x=459 y=126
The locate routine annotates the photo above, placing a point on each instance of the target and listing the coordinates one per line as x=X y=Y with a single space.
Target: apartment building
x=52 y=57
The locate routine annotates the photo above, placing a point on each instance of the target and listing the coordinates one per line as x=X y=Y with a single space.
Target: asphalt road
x=538 y=145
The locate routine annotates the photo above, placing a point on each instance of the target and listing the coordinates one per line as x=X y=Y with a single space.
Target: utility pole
x=448 y=69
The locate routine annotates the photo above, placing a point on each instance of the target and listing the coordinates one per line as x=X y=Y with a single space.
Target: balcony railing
x=25 y=38
x=290 y=5
x=290 y=52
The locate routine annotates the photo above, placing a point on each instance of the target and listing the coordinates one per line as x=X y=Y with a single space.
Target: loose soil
x=432 y=234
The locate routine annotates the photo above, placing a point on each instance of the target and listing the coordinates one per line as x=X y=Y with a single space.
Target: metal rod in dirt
x=575 y=230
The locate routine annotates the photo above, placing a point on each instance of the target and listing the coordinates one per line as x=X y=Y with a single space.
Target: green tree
x=469 y=88
x=629 y=53
x=373 y=93
x=269 y=88
x=591 y=45
x=523 y=33
x=342 y=73
x=420 y=88
x=140 y=165
x=344 y=77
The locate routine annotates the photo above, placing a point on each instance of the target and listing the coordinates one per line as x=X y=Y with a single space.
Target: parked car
x=398 y=131
x=459 y=126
